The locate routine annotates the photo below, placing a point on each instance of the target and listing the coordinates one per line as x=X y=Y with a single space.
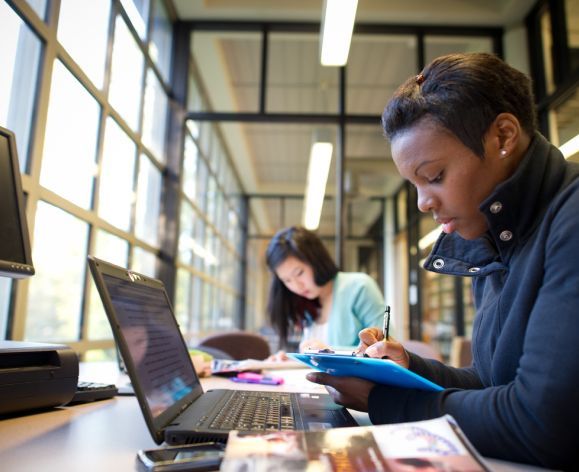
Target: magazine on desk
x=433 y=445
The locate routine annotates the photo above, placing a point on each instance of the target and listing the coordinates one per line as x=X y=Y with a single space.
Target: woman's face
x=298 y=277
x=451 y=181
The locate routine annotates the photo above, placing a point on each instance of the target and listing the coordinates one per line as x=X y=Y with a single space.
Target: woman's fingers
x=312 y=344
x=368 y=336
x=392 y=350
x=278 y=356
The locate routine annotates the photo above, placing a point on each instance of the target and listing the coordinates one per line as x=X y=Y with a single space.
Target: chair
x=238 y=345
x=422 y=349
x=460 y=352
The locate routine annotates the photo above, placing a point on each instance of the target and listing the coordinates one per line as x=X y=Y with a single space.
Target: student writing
x=463 y=132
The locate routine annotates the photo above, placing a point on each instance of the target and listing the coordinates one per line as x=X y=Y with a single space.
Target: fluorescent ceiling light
x=337 y=27
x=318 y=169
x=429 y=239
x=571 y=147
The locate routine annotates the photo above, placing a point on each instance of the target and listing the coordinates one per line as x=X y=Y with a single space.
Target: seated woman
x=463 y=132
x=310 y=295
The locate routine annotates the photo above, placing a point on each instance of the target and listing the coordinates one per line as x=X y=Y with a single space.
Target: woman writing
x=309 y=295
x=463 y=132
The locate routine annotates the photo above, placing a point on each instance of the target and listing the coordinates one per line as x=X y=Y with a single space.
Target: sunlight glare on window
x=137 y=11
x=117 y=175
x=82 y=30
x=161 y=39
x=110 y=248
x=144 y=262
x=19 y=62
x=126 y=75
x=55 y=291
x=70 y=141
x=5 y=287
x=9 y=33
x=155 y=116
x=190 y=168
x=148 y=202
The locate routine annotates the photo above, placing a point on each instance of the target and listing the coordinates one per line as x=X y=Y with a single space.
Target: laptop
x=174 y=405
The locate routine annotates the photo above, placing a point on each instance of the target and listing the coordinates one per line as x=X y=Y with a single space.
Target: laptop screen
x=154 y=343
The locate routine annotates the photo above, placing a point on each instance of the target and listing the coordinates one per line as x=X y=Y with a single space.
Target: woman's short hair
x=463 y=93
x=304 y=245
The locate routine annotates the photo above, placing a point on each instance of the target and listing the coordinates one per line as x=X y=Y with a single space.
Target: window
x=208 y=239
x=82 y=30
x=155 y=116
x=126 y=75
x=144 y=262
x=19 y=61
x=161 y=38
x=286 y=90
x=116 y=195
x=183 y=298
x=232 y=84
x=440 y=45
x=5 y=286
x=148 y=202
x=190 y=163
x=370 y=81
x=39 y=6
x=138 y=12
x=187 y=243
x=97 y=181
x=111 y=248
x=564 y=121
x=55 y=292
x=68 y=161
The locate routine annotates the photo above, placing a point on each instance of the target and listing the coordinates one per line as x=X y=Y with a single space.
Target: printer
x=36 y=375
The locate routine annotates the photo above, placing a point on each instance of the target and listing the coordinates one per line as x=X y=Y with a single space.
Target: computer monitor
x=15 y=254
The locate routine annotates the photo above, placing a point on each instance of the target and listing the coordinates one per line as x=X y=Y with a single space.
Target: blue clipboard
x=382 y=371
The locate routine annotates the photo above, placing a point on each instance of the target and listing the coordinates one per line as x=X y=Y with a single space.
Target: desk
x=105 y=435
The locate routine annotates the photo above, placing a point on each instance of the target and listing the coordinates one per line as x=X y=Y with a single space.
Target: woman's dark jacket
x=519 y=401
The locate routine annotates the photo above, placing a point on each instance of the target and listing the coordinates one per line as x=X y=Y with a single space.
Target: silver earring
x=503 y=152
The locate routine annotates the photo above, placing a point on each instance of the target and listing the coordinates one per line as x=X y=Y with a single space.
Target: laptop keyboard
x=255 y=411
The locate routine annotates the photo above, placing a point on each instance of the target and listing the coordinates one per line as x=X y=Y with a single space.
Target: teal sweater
x=357 y=303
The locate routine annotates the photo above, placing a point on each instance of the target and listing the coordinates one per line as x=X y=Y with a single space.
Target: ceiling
x=272 y=158
x=448 y=12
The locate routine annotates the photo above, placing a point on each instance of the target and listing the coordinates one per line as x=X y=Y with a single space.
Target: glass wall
x=90 y=123
x=555 y=61
x=212 y=219
x=268 y=114
x=89 y=100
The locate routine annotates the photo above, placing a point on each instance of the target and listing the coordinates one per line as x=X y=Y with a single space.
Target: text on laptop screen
x=156 y=348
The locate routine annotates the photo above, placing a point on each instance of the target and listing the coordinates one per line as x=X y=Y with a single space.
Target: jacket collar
x=513 y=210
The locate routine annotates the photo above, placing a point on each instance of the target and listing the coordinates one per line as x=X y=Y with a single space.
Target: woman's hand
x=350 y=392
x=279 y=356
x=372 y=344
x=312 y=344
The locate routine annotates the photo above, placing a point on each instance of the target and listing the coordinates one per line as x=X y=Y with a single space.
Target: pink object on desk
x=251 y=377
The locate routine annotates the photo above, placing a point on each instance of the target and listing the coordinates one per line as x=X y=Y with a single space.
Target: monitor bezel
x=17 y=269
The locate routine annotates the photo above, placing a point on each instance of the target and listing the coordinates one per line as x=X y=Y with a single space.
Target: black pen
x=386 y=325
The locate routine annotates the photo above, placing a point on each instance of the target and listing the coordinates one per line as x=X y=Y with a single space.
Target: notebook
x=174 y=405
